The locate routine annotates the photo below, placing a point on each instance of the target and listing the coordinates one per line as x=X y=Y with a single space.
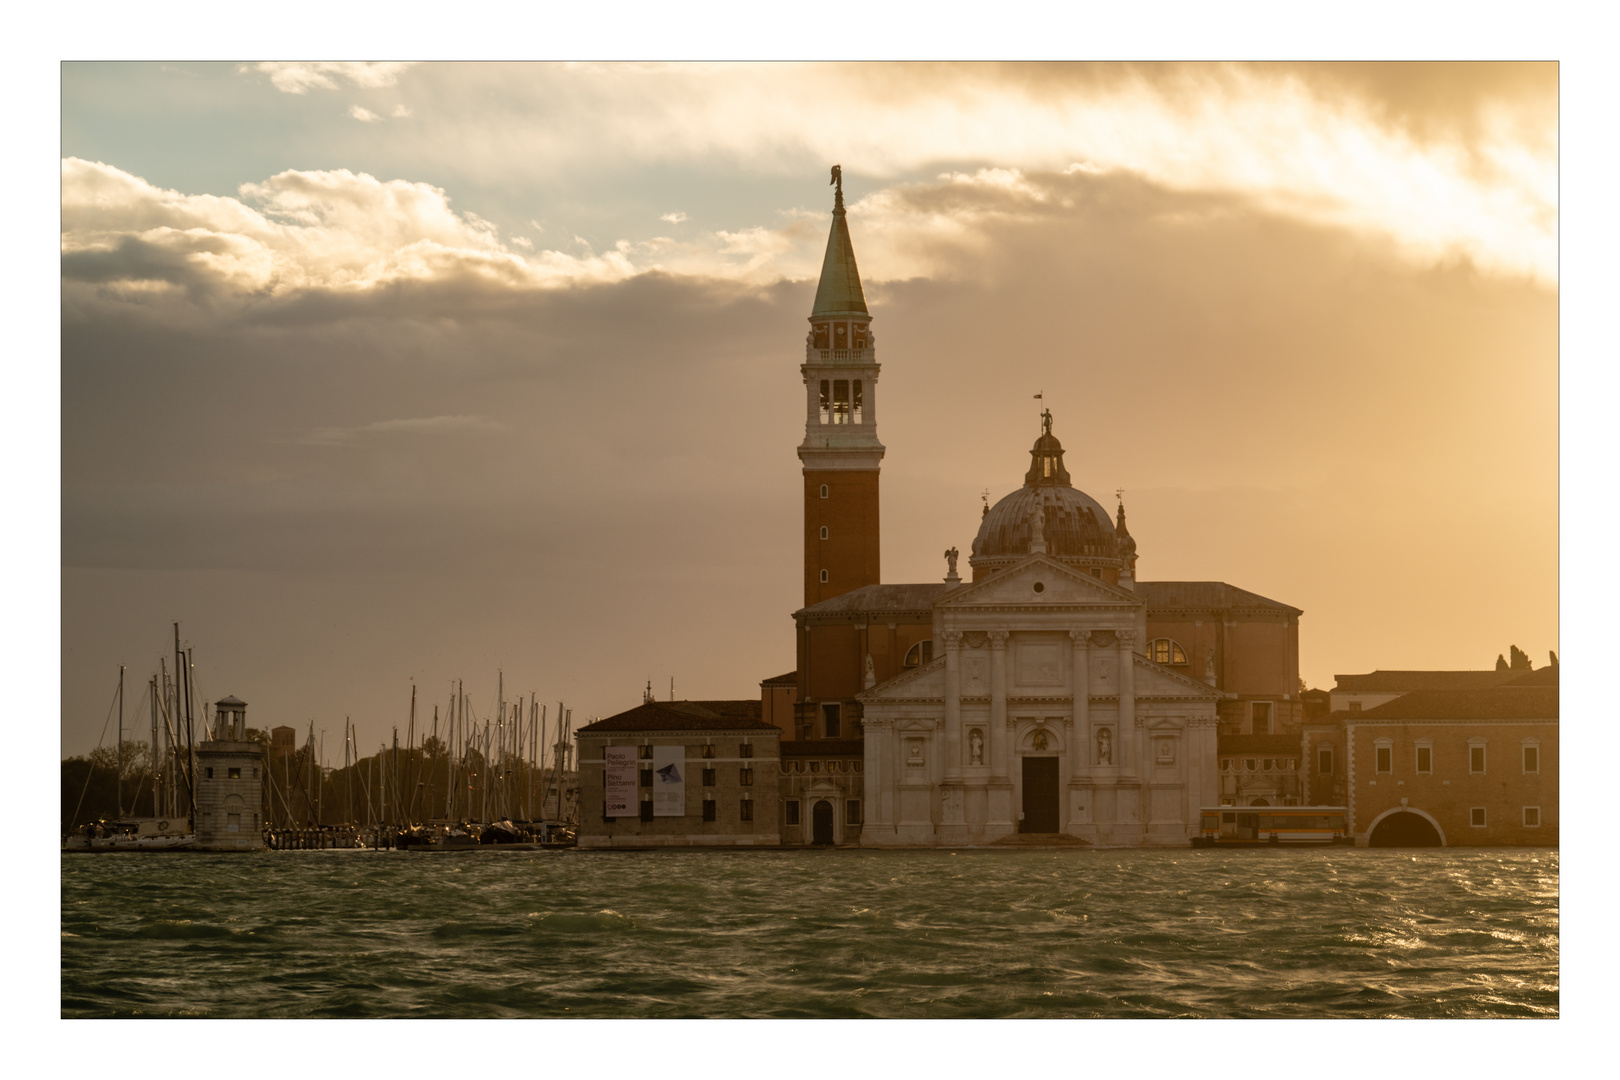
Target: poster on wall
x=669 y=781
x=619 y=782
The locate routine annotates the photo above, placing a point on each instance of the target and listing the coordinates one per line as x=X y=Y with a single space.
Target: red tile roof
x=1401 y=682
x=1496 y=703
x=684 y=716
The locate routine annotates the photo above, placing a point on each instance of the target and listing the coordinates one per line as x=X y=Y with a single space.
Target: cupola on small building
x=230 y=783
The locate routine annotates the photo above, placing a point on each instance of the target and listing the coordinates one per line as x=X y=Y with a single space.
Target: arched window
x=823 y=491
x=1165 y=651
x=824 y=532
x=824 y=577
x=919 y=654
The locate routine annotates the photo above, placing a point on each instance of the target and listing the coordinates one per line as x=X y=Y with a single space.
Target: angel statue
x=950 y=560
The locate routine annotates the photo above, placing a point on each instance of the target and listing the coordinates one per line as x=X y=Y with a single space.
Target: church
x=1052 y=697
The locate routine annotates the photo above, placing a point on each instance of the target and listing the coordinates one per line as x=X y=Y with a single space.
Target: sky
x=382 y=375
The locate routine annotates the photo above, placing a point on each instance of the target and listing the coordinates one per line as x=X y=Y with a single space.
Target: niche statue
x=1105 y=747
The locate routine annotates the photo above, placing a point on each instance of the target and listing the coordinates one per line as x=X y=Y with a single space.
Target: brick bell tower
x=840 y=452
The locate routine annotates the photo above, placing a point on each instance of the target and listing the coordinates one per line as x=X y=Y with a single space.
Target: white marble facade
x=1037 y=683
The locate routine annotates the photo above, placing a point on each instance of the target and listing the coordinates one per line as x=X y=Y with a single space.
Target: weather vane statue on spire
x=1046 y=421
x=838 y=181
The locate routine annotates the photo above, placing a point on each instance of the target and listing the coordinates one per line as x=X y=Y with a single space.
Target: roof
x=782 y=680
x=1273 y=745
x=1204 y=596
x=230 y=699
x=1496 y=703
x=1400 y=682
x=1547 y=676
x=824 y=748
x=920 y=597
x=839 y=291
x=684 y=716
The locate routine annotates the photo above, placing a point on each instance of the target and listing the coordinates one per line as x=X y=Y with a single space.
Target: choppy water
x=1028 y=933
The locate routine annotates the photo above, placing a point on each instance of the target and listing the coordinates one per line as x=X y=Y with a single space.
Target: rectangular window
x=1383 y=755
x=208 y=774
x=708 y=809
x=1532 y=817
x=708 y=778
x=646 y=811
x=745 y=750
x=829 y=721
x=708 y=750
x=1425 y=759
x=1532 y=759
x=840 y=401
x=746 y=777
x=1476 y=759
x=233 y=774
x=1355 y=706
x=852 y=812
x=644 y=752
x=790 y=812
x=646 y=778
x=1324 y=761
x=1262 y=718
x=1476 y=817
x=745 y=810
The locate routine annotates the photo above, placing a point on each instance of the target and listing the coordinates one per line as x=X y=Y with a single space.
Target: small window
x=824 y=577
x=745 y=810
x=708 y=778
x=1324 y=761
x=1476 y=817
x=824 y=532
x=1249 y=763
x=745 y=777
x=208 y=774
x=1226 y=764
x=1476 y=759
x=823 y=491
x=852 y=812
x=233 y=774
x=708 y=810
x=815 y=766
x=1271 y=765
x=1532 y=817
x=1425 y=759
x=829 y=720
x=1262 y=718
x=919 y=654
x=708 y=750
x=646 y=811
x=745 y=750
x=1532 y=759
x=646 y=778
x=1166 y=651
x=790 y=812
x=1355 y=706
x=1383 y=757
x=644 y=752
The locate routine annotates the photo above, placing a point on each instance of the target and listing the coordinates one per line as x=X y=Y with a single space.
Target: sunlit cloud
x=674 y=217
x=400 y=112
x=363 y=114
x=300 y=78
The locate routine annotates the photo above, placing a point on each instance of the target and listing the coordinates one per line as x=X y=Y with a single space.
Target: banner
x=619 y=782
x=669 y=781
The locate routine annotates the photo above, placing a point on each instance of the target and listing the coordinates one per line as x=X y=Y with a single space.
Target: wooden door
x=1040 y=795
x=821 y=831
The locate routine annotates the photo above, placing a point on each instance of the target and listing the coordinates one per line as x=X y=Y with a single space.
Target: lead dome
x=1076 y=528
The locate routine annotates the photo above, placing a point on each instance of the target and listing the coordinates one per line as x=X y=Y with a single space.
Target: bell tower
x=840 y=452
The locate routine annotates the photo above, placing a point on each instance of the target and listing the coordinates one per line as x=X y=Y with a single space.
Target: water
x=1025 y=933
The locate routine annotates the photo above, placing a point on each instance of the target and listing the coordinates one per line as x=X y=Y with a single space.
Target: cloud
x=430 y=425
x=674 y=217
x=400 y=112
x=300 y=78
x=363 y=114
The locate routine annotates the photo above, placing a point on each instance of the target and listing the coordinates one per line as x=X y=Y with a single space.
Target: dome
x=1077 y=528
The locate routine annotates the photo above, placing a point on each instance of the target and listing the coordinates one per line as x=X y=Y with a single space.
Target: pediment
x=927 y=681
x=1060 y=585
x=1157 y=681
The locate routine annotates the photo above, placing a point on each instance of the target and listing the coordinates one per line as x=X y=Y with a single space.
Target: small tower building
x=230 y=787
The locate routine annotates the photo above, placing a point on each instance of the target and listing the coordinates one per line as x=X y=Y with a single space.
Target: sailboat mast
x=119 y=781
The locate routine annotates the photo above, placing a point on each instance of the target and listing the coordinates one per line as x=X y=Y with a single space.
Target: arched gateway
x=1404 y=828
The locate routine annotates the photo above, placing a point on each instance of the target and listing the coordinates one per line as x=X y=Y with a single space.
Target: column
x=1084 y=746
x=1127 y=701
x=999 y=765
x=953 y=705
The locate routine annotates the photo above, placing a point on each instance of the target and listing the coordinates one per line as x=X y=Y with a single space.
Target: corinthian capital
x=998 y=638
x=951 y=638
x=1080 y=637
x=1126 y=637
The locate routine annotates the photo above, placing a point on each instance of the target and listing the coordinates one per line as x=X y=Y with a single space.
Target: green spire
x=839 y=292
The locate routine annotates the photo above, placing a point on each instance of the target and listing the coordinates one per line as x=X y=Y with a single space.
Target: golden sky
x=373 y=373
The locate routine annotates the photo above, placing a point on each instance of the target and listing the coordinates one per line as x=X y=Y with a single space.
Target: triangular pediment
x=1157 y=681
x=927 y=681
x=1059 y=585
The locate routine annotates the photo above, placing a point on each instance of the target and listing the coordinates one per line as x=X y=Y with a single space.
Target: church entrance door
x=821 y=823
x=1040 y=795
